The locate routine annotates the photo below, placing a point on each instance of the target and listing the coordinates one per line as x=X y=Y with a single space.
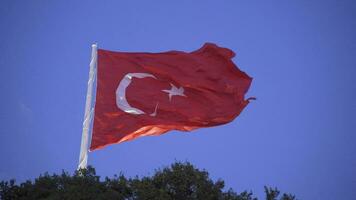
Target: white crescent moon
x=121 y=100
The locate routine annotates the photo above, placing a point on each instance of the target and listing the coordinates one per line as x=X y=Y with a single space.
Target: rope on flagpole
x=88 y=114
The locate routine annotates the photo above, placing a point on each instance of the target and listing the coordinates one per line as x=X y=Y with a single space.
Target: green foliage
x=180 y=181
x=272 y=194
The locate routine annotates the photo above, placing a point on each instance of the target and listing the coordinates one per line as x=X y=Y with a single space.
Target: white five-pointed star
x=175 y=91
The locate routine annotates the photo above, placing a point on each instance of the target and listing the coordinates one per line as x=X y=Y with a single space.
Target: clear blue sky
x=299 y=135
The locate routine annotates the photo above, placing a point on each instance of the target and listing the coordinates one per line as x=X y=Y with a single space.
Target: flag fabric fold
x=141 y=94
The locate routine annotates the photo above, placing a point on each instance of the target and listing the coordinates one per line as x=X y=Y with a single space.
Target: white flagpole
x=84 y=148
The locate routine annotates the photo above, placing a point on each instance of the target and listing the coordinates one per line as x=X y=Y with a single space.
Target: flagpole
x=89 y=110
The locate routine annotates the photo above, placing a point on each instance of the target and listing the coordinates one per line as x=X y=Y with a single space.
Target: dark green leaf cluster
x=180 y=181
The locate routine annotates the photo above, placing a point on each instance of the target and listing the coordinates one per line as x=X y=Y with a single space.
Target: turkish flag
x=141 y=94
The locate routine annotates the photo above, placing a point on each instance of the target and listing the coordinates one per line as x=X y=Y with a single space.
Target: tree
x=272 y=194
x=180 y=181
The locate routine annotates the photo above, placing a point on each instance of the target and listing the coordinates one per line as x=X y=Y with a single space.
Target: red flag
x=141 y=94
